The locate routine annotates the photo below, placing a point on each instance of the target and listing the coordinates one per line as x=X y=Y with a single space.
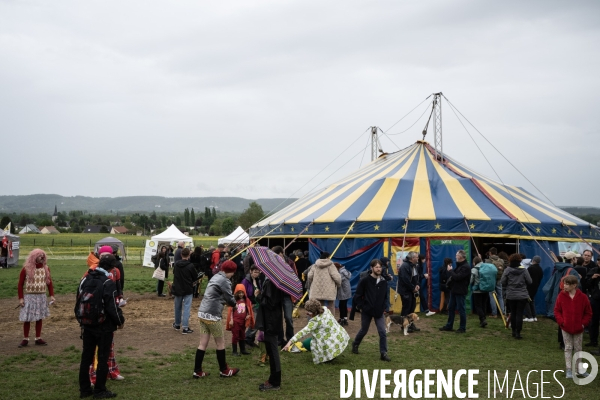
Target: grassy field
x=78 y=245
x=67 y=273
x=158 y=376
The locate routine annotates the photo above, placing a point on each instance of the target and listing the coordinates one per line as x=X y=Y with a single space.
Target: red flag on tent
x=4 y=242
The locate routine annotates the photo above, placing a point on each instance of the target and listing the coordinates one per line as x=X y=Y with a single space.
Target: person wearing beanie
x=218 y=292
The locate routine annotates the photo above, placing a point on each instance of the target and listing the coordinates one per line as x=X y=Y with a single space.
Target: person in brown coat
x=324 y=280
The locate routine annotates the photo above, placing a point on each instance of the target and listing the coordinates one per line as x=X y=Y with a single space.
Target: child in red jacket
x=573 y=313
x=239 y=318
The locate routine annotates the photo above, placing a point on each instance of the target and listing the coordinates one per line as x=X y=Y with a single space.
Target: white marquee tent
x=170 y=236
x=237 y=236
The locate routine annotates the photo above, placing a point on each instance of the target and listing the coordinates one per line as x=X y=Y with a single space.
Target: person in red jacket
x=573 y=313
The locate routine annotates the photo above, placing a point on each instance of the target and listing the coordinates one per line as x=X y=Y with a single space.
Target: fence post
x=71 y=242
x=52 y=242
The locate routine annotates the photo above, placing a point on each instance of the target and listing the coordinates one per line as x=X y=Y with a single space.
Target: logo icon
x=589 y=364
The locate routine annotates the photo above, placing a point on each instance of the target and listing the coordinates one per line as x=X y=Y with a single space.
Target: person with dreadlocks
x=33 y=280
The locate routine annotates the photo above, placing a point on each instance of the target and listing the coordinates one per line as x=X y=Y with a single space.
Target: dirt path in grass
x=148 y=327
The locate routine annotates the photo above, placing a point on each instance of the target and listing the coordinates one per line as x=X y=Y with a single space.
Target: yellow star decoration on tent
x=500 y=227
x=404 y=226
x=280 y=229
x=376 y=227
x=437 y=226
x=326 y=229
x=524 y=229
x=472 y=226
x=538 y=230
x=553 y=230
x=581 y=232
x=292 y=229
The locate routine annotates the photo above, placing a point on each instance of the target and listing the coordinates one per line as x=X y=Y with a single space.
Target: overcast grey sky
x=254 y=98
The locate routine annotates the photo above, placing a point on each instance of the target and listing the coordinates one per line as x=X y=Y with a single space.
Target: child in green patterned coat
x=329 y=338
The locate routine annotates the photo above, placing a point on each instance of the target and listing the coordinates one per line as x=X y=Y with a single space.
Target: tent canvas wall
x=110 y=241
x=414 y=193
x=13 y=244
x=237 y=236
x=170 y=236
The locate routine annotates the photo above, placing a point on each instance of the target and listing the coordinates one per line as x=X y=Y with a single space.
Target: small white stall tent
x=170 y=236
x=237 y=236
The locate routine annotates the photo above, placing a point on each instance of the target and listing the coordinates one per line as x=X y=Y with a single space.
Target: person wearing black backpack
x=99 y=315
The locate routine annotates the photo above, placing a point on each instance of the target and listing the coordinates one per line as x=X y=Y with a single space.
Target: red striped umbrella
x=277 y=270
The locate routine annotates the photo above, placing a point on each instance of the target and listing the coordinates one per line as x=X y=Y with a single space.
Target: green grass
x=78 y=245
x=66 y=275
x=158 y=376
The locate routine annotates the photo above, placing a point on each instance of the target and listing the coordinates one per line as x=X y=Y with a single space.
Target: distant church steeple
x=55 y=215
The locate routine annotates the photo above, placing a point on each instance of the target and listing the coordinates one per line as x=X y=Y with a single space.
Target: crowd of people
x=259 y=314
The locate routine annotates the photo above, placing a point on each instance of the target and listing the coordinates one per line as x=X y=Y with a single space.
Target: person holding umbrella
x=281 y=280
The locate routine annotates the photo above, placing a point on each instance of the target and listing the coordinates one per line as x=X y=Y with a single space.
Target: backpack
x=217 y=267
x=561 y=285
x=89 y=307
x=487 y=277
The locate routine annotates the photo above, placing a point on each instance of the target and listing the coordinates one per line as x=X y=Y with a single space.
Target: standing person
x=423 y=287
x=344 y=293
x=162 y=262
x=408 y=286
x=269 y=320
x=33 y=280
x=593 y=286
x=302 y=265
x=444 y=289
x=323 y=280
x=196 y=259
x=240 y=317
x=458 y=281
x=371 y=298
x=514 y=283
x=479 y=297
x=108 y=263
x=184 y=276
x=387 y=273
x=499 y=263
x=288 y=301
x=217 y=254
x=253 y=284
x=115 y=253
x=573 y=313
x=537 y=274
x=177 y=256
x=217 y=293
x=98 y=334
x=328 y=338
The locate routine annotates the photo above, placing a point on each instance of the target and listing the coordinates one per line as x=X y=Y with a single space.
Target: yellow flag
x=7 y=228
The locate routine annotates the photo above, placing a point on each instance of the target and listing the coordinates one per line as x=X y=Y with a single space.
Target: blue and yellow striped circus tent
x=414 y=194
x=412 y=200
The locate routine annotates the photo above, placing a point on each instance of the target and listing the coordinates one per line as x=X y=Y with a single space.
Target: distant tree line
x=211 y=221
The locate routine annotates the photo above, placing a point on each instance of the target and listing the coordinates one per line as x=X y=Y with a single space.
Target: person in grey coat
x=217 y=294
x=514 y=283
x=344 y=292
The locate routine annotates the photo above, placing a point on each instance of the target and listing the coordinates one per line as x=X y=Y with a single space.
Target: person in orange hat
x=240 y=317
